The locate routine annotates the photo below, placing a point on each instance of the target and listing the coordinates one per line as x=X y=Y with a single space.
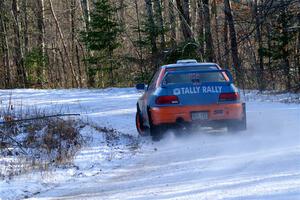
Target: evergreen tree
x=281 y=48
x=101 y=40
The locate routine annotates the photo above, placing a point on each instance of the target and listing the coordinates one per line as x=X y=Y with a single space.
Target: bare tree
x=74 y=47
x=217 y=30
x=25 y=29
x=151 y=24
x=260 y=71
x=140 y=53
x=86 y=11
x=172 y=21
x=4 y=45
x=41 y=39
x=159 y=16
x=18 y=53
x=184 y=17
x=225 y=45
x=64 y=45
x=233 y=40
x=201 y=27
x=209 y=46
x=298 y=47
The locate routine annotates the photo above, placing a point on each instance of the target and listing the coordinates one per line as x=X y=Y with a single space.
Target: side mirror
x=140 y=86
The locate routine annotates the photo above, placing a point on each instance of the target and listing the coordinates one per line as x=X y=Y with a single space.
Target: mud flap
x=239 y=125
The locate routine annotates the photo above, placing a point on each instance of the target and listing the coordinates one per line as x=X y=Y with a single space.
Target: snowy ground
x=261 y=163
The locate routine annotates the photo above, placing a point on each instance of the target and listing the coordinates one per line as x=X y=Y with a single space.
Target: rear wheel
x=182 y=128
x=156 y=132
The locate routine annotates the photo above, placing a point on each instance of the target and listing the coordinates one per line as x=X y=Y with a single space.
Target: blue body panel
x=188 y=92
x=205 y=93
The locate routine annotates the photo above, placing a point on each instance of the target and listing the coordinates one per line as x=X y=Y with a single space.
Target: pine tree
x=101 y=40
x=281 y=48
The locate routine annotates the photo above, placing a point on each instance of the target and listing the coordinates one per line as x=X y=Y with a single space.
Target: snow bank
x=261 y=163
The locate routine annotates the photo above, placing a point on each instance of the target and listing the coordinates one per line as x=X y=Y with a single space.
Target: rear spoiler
x=227 y=75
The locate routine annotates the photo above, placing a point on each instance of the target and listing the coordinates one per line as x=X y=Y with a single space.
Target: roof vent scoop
x=186 y=61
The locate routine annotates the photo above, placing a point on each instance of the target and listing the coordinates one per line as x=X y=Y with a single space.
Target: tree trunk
x=86 y=10
x=151 y=24
x=226 y=45
x=186 y=14
x=122 y=13
x=4 y=45
x=193 y=14
x=201 y=28
x=74 y=48
x=233 y=42
x=64 y=45
x=260 y=70
x=184 y=19
x=25 y=31
x=64 y=70
x=18 y=56
x=40 y=71
x=159 y=16
x=286 y=53
x=209 y=47
x=287 y=73
x=172 y=22
x=111 y=73
x=85 y=16
x=298 y=48
x=79 y=66
x=215 y=14
x=140 y=51
x=269 y=56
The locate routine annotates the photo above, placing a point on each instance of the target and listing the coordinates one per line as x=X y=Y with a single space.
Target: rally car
x=189 y=92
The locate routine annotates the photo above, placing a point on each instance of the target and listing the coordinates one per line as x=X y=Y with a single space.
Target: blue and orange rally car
x=189 y=92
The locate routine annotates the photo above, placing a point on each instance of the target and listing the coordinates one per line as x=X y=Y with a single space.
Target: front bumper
x=216 y=112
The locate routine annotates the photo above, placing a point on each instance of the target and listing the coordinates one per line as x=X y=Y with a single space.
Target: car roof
x=189 y=65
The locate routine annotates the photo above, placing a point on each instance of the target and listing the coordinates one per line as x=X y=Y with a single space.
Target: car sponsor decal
x=197 y=90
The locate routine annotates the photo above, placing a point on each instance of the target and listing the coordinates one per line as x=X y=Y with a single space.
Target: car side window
x=153 y=81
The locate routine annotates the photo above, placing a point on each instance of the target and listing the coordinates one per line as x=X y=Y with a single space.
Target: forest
x=118 y=43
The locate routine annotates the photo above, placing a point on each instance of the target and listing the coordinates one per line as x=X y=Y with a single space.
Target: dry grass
x=38 y=144
x=27 y=145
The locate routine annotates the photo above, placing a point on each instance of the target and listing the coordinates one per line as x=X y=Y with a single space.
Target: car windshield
x=194 y=78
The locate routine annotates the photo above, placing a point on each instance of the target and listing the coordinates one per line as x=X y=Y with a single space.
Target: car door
x=145 y=98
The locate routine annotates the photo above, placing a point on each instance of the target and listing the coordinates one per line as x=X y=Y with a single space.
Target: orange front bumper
x=169 y=115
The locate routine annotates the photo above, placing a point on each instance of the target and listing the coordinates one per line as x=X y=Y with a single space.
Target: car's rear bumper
x=216 y=112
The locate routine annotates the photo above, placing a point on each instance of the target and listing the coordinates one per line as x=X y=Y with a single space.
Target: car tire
x=156 y=131
x=139 y=123
x=238 y=125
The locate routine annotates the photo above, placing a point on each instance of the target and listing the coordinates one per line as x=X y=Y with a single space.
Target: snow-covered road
x=260 y=163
